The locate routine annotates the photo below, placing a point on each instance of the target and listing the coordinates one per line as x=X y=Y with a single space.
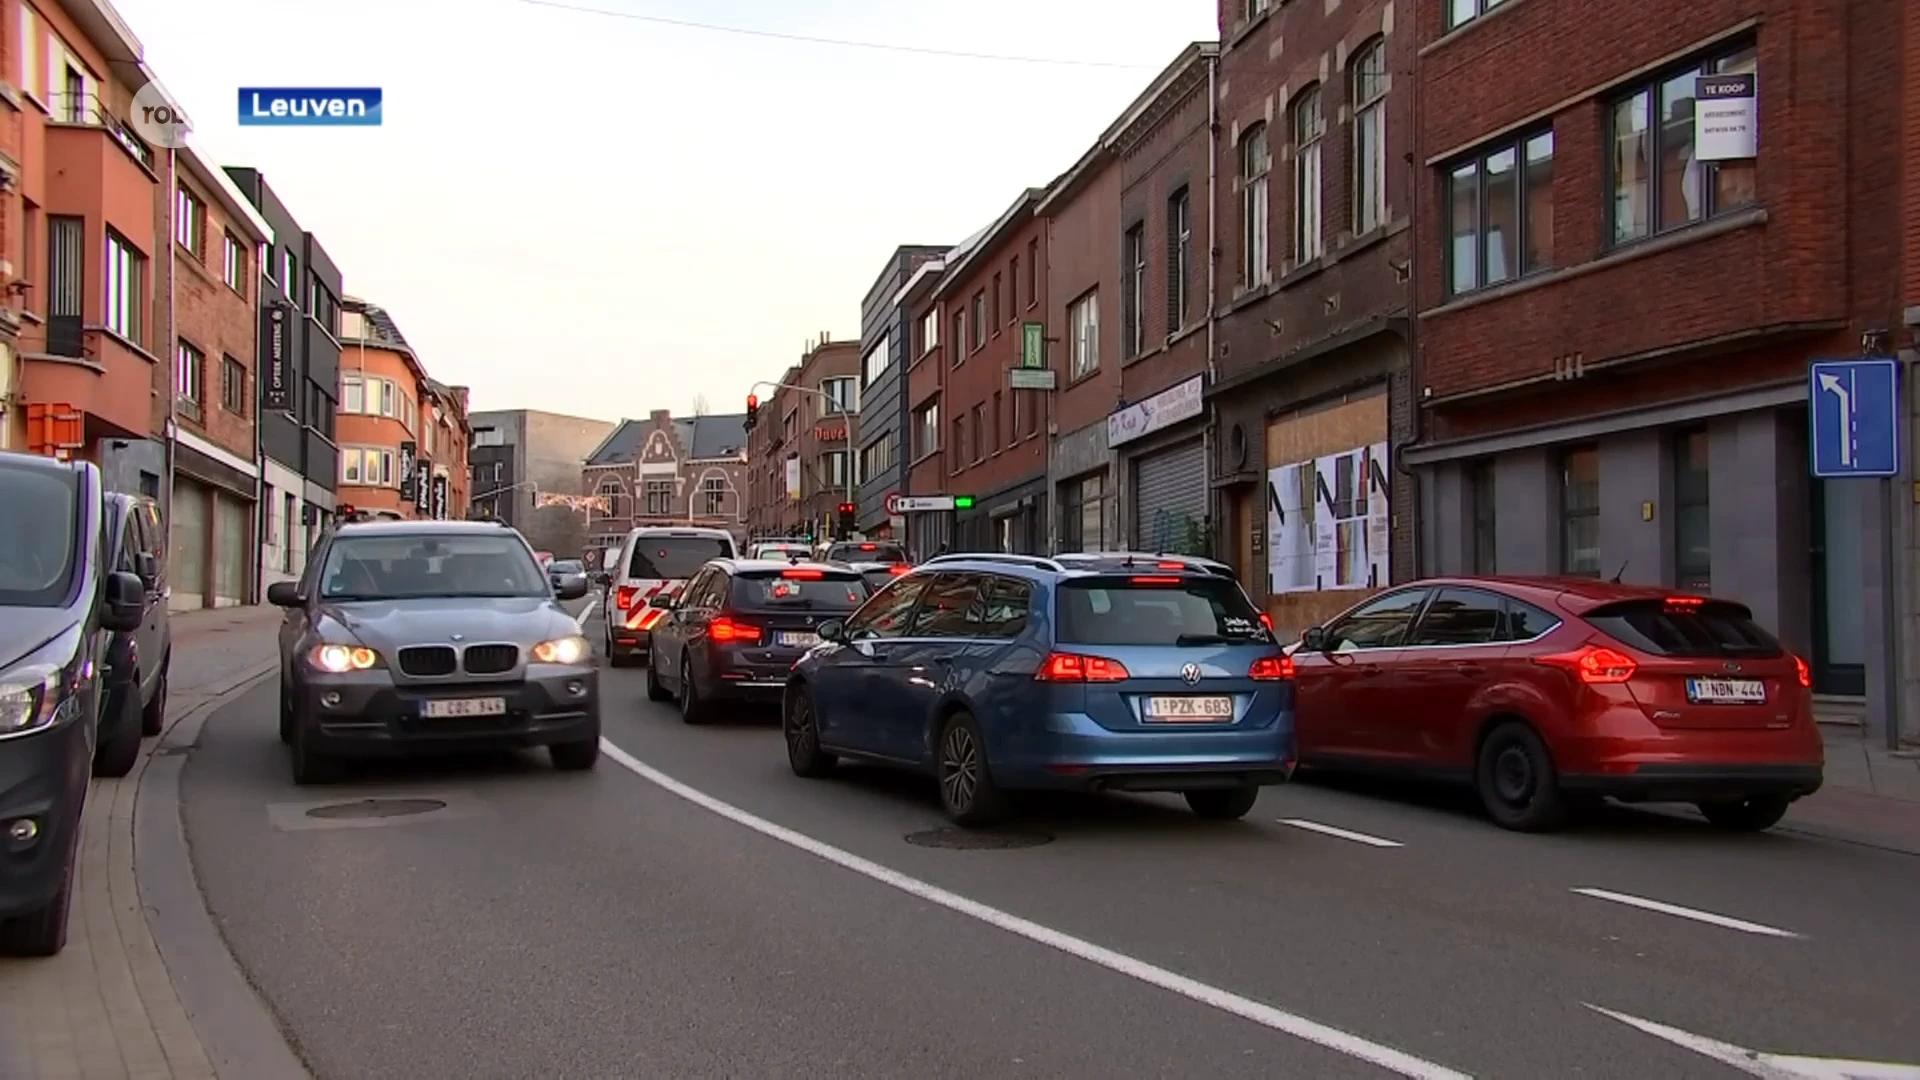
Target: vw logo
x=1190 y=673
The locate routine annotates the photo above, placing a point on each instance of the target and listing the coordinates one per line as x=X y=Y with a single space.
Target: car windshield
x=1685 y=628
x=420 y=566
x=1147 y=609
x=38 y=531
x=674 y=558
x=866 y=551
x=567 y=566
x=811 y=590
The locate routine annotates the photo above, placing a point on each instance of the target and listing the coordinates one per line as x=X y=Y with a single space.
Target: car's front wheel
x=967 y=790
x=153 y=718
x=1756 y=814
x=43 y=932
x=119 y=748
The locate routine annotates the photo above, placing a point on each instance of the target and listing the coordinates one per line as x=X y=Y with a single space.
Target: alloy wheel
x=802 y=740
x=959 y=767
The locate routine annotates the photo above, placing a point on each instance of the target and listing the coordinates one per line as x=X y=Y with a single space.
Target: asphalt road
x=693 y=909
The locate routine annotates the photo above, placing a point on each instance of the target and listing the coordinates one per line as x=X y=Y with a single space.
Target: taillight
x=623 y=597
x=1070 y=667
x=1685 y=603
x=897 y=570
x=1594 y=664
x=725 y=629
x=1266 y=620
x=1170 y=566
x=1156 y=581
x=802 y=575
x=1271 y=669
x=1806 y=675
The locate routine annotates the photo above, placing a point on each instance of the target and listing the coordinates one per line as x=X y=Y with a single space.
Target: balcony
x=106 y=172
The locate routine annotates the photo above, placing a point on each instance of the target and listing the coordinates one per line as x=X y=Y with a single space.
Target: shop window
x=1692 y=547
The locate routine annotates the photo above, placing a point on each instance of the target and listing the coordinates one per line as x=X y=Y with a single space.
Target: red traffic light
x=847 y=508
x=753 y=402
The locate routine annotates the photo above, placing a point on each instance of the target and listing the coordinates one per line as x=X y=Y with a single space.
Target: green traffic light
x=963 y=502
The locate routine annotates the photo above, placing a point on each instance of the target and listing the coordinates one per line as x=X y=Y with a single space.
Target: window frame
x=1256 y=207
x=1519 y=144
x=233 y=386
x=841 y=404
x=233 y=266
x=1179 y=257
x=124 y=287
x=1133 y=295
x=1369 y=83
x=977 y=321
x=1083 y=354
x=1569 y=514
x=1308 y=119
x=190 y=222
x=1708 y=61
x=189 y=374
x=1481 y=8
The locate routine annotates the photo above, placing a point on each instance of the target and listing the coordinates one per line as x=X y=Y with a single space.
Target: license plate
x=1189 y=709
x=1727 y=691
x=454 y=708
x=799 y=640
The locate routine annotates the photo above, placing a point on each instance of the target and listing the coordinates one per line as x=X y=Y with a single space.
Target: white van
x=654 y=559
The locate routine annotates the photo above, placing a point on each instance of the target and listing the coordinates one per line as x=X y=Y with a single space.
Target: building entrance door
x=1839 y=617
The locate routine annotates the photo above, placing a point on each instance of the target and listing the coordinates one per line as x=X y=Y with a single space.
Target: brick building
x=448 y=435
x=1310 y=382
x=771 y=510
x=668 y=471
x=887 y=338
x=384 y=418
x=803 y=458
x=1613 y=344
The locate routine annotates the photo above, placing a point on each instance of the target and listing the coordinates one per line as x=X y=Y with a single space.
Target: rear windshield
x=1156 y=610
x=565 y=566
x=37 y=532
x=1711 y=629
x=866 y=552
x=781 y=551
x=674 y=558
x=805 y=590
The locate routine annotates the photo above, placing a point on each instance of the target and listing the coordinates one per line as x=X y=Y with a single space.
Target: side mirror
x=601 y=578
x=572 y=588
x=1314 y=640
x=126 y=603
x=833 y=630
x=147 y=567
x=284 y=594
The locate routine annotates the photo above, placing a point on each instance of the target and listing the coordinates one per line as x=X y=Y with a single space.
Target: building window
x=1133 y=294
x=1460 y=12
x=1033 y=272
x=1502 y=214
x=353 y=398
x=1257 y=8
x=959 y=338
x=1370 y=138
x=834 y=465
x=957 y=450
x=978 y=317
x=995 y=323
x=1083 y=514
x=1309 y=125
x=999 y=408
x=1256 y=162
x=189 y=222
x=878 y=456
x=713 y=496
x=1083 y=323
x=1485 y=560
x=841 y=395
x=1179 y=259
x=233 y=386
x=1655 y=182
x=1580 y=512
x=980 y=446
x=126 y=288
x=189 y=375
x=1013 y=289
x=367 y=466
x=1692 y=533
x=929 y=332
x=233 y=267
x=926 y=431
x=66 y=264
x=659 y=498
x=290 y=276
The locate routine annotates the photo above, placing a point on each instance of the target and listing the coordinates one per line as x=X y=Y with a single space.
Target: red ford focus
x=1542 y=692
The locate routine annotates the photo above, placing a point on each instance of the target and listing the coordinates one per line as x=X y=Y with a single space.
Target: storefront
x=212 y=505
x=1012 y=520
x=1164 y=465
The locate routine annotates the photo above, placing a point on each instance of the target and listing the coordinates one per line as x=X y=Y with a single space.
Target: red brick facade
x=667 y=471
x=214 y=319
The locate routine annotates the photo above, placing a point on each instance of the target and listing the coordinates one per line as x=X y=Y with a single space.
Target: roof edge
x=1015 y=215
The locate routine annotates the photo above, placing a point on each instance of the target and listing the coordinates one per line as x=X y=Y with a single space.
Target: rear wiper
x=1201 y=639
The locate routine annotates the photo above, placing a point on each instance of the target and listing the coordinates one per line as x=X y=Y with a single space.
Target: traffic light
x=847 y=512
x=963 y=502
x=753 y=410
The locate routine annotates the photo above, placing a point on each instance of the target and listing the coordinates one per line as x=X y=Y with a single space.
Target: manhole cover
x=377 y=808
x=974 y=840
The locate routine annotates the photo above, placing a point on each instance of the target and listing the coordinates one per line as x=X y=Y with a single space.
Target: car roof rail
x=1040 y=561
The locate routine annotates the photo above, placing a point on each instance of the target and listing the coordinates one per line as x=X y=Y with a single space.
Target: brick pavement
x=105 y=1008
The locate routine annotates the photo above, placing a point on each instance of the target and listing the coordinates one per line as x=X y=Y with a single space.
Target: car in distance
x=653 y=560
x=566 y=573
x=735 y=632
x=64 y=612
x=1001 y=672
x=1547 y=692
x=878 y=561
x=780 y=549
x=431 y=636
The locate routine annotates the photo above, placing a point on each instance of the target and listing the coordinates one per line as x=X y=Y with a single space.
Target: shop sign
x=1163 y=410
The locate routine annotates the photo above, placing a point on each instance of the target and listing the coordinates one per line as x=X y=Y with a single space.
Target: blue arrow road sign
x=1853 y=411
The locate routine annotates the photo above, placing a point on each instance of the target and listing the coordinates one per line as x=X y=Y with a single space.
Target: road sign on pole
x=893 y=504
x=1853 y=412
x=909 y=504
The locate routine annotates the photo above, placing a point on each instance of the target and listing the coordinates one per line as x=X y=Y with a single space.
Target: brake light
x=724 y=629
x=1271 y=669
x=1685 y=603
x=1156 y=581
x=1170 y=566
x=1070 y=667
x=802 y=575
x=623 y=599
x=1800 y=669
x=897 y=570
x=869 y=547
x=1594 y=665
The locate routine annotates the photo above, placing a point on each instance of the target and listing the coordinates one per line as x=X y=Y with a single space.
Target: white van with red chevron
x=655 y=560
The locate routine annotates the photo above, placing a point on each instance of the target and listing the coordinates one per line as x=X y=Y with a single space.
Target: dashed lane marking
x=1340 y=1042
x=1344 y=834
x=1695 y=914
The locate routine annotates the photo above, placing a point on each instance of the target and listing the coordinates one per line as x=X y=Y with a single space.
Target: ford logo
x=1731 y=668
x=1190 y=673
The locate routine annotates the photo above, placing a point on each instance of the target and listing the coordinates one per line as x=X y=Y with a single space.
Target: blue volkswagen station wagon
x=997 y=673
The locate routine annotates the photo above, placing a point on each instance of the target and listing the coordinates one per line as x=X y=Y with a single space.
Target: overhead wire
x=843 y=43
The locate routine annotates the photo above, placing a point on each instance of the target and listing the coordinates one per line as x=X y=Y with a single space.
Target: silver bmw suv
x=435 y=637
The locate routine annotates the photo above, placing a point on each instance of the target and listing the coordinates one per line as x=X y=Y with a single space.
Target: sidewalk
x=1872 y=795
x=106 y=1007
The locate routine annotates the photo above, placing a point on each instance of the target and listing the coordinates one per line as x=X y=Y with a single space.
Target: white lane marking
x=1344 y=834
x=1695 y=914
x=587 y=612
x=1299 y=1027
x=1769 y=1066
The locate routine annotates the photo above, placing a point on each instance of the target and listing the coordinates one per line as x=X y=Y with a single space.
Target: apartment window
x=1013 y=287
x=957 y=451
x=929 y=332
x=1655 y=182
x=233 y=386
x=980 y=447
x=1133 y=290
x=1033 y=272
x=1309 y=126
x=840 y=396
x=323 y=306
x=367 y=466
x=1083 y=323
x=1370 y=137
x=290 y=275
x=353 y=396
x=979 y=320
x=189 y=375
x=926 y=431
x=189 y=222
x=1179 y=259
x=389 y=399
x=659 y=495
x=125 y=287
x=66 y=263
x=1256 y=161
x=1460 y=12
x=233 y=264
x=999 y=435
x=713 y=496
x=834 y=462
x=1257 y=8
x=874 y=364
x=878 y=456
x=996 y=304
x=1502 y=213
x=1692 y=533
x=1580 y=512
x=1484 y=494
x=959 y=338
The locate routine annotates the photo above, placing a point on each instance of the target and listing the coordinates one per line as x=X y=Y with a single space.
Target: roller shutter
x=230 y=558
x=1170 y=499
x=187 y=556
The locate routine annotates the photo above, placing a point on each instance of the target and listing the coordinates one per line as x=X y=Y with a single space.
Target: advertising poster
x=1290 y=528
x=1329 y=522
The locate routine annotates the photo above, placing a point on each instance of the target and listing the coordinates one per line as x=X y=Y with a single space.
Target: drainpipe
x=173 y=358
x=1210 y=434
x=1417 y=410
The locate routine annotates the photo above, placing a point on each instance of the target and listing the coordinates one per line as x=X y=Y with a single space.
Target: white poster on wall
x=1290 y=528
x=793 y=479
x=1329 y=522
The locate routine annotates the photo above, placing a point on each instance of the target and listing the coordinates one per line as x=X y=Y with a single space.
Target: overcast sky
x=600 y=215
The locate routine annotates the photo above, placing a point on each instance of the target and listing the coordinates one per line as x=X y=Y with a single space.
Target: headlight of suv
x=29 y=699
x=340 y=659
x=566 y=650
